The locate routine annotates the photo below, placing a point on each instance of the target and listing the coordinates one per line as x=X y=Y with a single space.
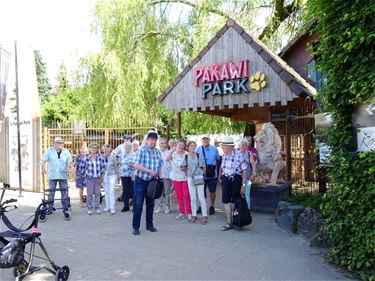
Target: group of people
x=186 y=168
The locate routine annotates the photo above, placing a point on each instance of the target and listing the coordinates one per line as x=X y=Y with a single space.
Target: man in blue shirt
x=148 y=163
x=211 y=157
x=59 y=160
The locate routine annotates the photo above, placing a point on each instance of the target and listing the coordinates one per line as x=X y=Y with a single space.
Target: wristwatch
x=243 y=185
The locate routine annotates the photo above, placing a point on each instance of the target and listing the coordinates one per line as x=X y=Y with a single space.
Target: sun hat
x=227 y=140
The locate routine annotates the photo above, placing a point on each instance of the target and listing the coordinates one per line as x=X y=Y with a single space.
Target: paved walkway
x=102 y=247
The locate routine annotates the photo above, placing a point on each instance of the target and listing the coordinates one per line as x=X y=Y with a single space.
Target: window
x=314 y=75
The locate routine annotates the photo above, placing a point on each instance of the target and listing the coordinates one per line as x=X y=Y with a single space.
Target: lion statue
x=270 y=165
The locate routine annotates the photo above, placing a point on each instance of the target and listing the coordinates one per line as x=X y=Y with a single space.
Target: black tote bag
x=155 y=188
x=241 y=213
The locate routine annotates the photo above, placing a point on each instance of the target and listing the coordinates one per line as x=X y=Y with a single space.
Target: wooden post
x=168 y=133
x=45 y=139
x=179 y=124
x=106 y=135
x=287 y=147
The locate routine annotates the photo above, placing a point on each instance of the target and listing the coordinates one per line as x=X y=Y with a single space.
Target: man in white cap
x=59 y=160
x=211 y=156
x=233 y=176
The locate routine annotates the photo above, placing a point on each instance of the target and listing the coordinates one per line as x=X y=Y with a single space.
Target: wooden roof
x=233 y=44
x=301 y=35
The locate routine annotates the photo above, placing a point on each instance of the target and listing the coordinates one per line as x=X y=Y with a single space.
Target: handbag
x=155 y=188
x=210 y=169
x=241 y=213
x=198 y=180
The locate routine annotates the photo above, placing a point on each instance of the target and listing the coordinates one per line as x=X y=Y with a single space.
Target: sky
x=59 y=29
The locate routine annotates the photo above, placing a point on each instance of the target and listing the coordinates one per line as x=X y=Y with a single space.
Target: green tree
x=44 y=86
x=146 y=44
x=61 y=106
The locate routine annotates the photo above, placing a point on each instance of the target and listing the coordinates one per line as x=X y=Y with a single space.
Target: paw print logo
x=258 y=81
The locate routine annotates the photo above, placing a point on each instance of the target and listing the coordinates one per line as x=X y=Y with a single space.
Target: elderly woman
x=166 y=173
x=249 y=159
x=179 y=179
x=80 y=174
x=110 y=178
x=127 y=172
x=195 y=170
x=94 y=168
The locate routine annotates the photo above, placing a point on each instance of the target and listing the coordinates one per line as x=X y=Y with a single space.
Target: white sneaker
x=180 y=216
x=189 y=217
x=113 y=212
x=105 y=210
x=166 y=210
x=98 y=211
x=157 y=210
x=89 y=212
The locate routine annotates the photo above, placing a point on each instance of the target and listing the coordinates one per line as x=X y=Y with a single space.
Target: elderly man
x=233 y=176
x=211 y=156
x=148 y=163
x=59 y=160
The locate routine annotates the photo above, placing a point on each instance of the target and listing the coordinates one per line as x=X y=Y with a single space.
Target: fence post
x=106 y=135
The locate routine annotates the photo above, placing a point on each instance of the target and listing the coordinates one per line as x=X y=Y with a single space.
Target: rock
x=320 y=240
x=310 y=223
x=287 y=215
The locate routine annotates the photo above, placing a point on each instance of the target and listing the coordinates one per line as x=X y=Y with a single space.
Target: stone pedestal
x=266 y=198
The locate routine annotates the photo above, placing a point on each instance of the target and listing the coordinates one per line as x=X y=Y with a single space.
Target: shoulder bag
x=210 y=169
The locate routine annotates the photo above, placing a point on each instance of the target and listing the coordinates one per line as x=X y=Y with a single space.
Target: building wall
x=298 y=55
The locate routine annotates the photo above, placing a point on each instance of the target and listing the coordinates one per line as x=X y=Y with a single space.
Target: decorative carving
x=270 y=167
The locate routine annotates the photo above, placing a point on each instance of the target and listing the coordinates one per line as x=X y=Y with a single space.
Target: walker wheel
x=62 y=274
x=84 y=199
x=42 y=216
x=67 y=215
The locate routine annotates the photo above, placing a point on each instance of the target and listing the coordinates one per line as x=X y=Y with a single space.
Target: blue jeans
x=127 y=190
x=63 y=185
x=140 y=188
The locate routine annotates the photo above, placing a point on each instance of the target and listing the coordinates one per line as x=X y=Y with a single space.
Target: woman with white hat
x=233 y=176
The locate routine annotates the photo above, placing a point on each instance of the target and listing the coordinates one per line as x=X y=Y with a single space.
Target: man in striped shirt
x=148 y=164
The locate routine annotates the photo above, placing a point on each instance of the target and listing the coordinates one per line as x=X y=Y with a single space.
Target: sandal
x=204 y=220
x=226 y=227
x=193 y=219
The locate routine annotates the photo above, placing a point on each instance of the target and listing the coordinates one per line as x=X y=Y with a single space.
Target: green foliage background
x=145 y=44
x=346 y=56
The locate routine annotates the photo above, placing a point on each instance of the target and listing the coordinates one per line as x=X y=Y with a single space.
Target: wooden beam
x=287 y=147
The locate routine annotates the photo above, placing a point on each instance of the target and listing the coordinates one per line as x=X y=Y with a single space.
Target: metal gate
x=75 y=138
x=296 y=126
